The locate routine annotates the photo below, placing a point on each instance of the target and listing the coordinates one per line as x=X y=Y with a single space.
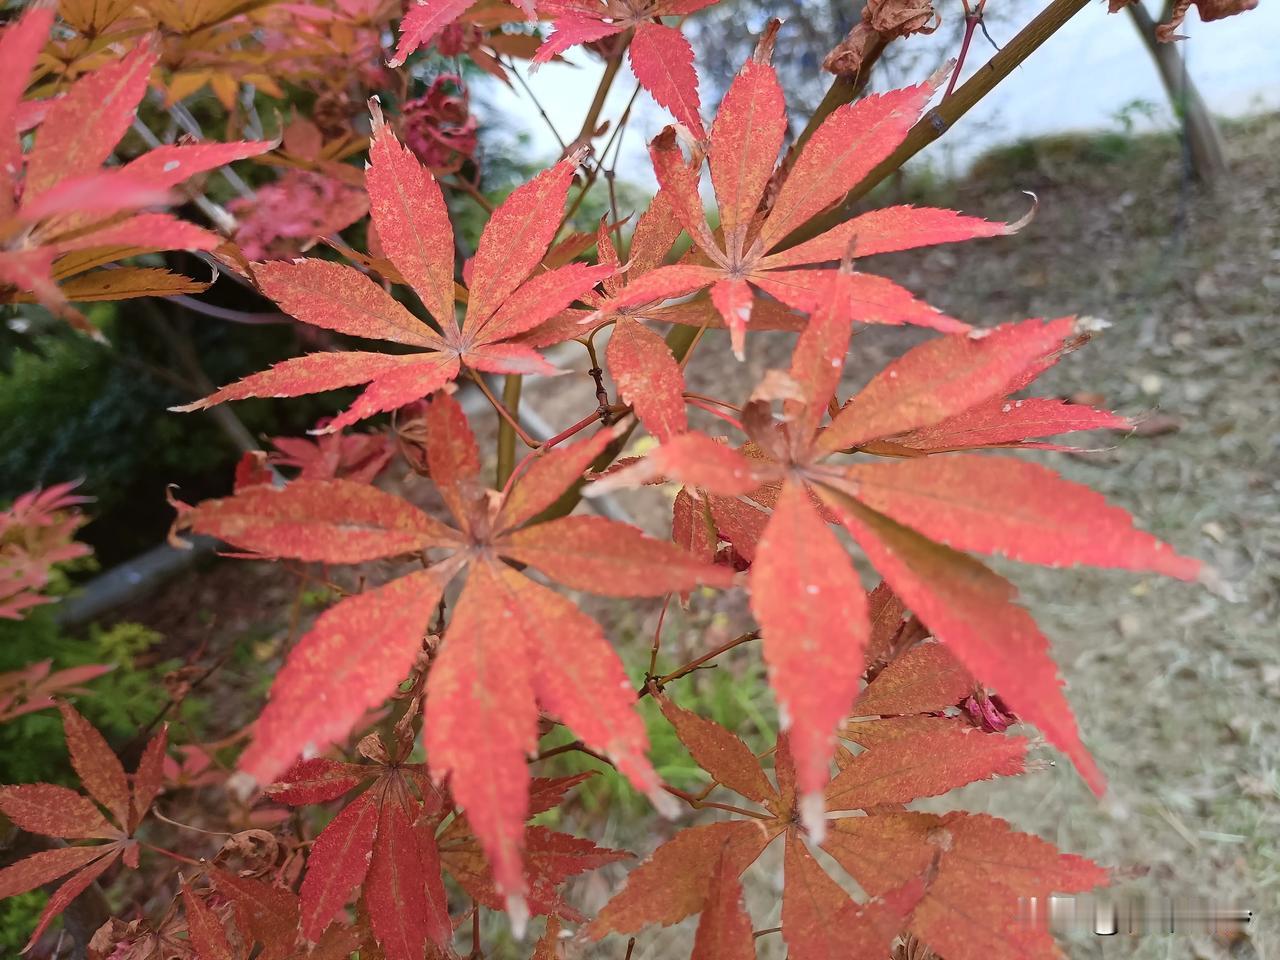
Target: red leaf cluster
x=497 y=661
x=470 y=626
x=952 y=880
x=37 y=533
x=55 y=811
x=62 y=213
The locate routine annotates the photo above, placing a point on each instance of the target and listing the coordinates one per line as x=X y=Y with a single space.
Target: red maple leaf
x=439 y=127
x=55 y=811
x=954 y=881
x=505 y=297
x=62 y=212
x=511 y=643
x=296 y=209
x=383 y=842
x=911 y=517
x=744 y=253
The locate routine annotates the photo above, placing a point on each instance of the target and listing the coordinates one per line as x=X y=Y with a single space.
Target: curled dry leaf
x=881 y=22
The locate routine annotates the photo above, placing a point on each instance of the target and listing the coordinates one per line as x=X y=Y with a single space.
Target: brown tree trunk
x=1204 y=143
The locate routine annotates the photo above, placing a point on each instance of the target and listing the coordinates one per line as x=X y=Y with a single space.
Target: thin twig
x=657 y=637
x=226 y=313
x=592 y=119
x=693 y=665
x=716 y=412
x=155 y=812
x=511 y=67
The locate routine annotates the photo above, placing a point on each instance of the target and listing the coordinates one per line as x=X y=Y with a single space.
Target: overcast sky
x=1235 y=62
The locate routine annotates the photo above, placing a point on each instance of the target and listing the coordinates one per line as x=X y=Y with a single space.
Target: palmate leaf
x=550 y=859
x=388 y=843
x=920 y=875
x=972 y=610
x=660 y=56
x=264 y=912
x=819 y=920
x=71 y=205
x=674 y=882
x=380 y=844
x=925 y=679
x=506 y=296
x=910 y=517
x=528 y=645
x=59 y=812
x=742 y=154
x=970 y=909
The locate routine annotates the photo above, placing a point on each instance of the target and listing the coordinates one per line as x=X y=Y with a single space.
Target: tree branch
x=940 y=119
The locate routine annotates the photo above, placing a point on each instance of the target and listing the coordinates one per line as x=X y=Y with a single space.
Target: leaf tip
x=518 y=912
x=375 y=112
x=1026 y=218
x=242 y=785
x=813 y=816
x=764 y=46
x=1089 y=324
x=667 y=806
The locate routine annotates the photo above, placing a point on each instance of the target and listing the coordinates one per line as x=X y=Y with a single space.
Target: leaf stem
x=713 y=409
x=697 y=804
x=155 y=812
x=537 y=103
x=546 y=445
x=681 y=340
x=568 y=432
x=688 y=354
x=657 y=637
x=656 y=683
x=171 y=855
x=503 y=412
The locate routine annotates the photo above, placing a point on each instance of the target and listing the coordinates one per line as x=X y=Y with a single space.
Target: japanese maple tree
x=400 y=781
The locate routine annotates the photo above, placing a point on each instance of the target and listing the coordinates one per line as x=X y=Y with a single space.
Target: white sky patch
x=1079 y=80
